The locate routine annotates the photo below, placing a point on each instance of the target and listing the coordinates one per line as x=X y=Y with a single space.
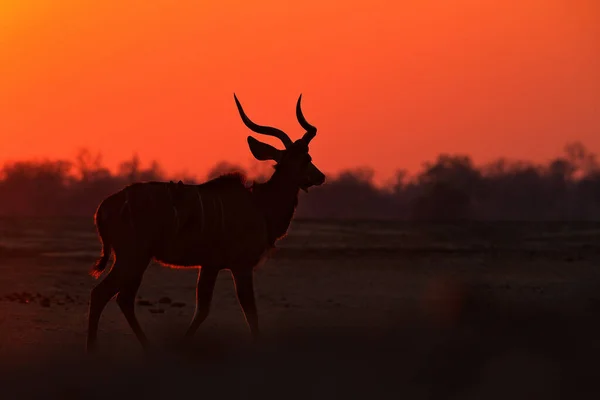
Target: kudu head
x=294 y=161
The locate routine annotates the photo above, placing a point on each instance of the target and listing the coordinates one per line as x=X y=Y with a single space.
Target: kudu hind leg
x=123 y=280
x=100 y=296
x=244 y=289
x=126 y=302
x=207 y=278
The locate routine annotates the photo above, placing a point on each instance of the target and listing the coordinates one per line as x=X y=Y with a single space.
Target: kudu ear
x=262 y=151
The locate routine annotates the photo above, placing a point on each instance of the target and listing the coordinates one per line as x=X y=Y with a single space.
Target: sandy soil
x=347 y=310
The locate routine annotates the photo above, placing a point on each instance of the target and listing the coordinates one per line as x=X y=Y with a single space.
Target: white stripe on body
x=201 y=210
x=176 y=214
x=128 y=205
x=222 y=215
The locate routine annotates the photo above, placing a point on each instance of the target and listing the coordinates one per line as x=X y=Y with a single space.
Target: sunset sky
x=388 y=84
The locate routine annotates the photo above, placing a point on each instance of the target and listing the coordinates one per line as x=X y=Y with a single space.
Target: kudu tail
x=100 y=265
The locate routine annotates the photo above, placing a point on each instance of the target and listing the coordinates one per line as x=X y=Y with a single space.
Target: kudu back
x=220 y=224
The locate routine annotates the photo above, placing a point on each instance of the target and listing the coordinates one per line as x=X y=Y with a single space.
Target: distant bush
x=449 y=189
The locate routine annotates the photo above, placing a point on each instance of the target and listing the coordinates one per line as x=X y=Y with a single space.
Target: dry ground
x=347 y=310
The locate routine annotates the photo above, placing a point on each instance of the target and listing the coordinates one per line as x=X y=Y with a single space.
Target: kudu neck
x=278 y=198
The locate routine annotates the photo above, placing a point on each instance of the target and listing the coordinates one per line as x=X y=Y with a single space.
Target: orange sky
x=388 y=83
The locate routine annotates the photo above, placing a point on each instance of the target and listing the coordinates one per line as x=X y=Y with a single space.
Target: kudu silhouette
x=216 y=225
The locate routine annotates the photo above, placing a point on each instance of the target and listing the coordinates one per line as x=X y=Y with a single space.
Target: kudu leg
x=244 y=288
x=207 y=278
x=123 y=280
x=126 y=302
x=100 y=296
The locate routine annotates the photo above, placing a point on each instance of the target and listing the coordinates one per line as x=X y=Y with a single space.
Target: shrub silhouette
x=451 y=188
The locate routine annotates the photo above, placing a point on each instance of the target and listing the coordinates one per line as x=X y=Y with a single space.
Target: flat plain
x=347 y=309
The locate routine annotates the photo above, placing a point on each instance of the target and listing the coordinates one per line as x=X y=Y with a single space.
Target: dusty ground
x=347 y=310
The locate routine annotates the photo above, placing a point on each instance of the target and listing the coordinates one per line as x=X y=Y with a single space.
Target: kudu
x=219 y=224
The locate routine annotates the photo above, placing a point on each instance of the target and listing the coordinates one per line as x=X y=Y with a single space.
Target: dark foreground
x=490 y=311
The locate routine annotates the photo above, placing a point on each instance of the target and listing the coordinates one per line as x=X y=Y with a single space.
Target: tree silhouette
x=450 y=189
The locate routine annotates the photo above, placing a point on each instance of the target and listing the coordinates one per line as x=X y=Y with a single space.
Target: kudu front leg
x=207 y=278
x=244 y=288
